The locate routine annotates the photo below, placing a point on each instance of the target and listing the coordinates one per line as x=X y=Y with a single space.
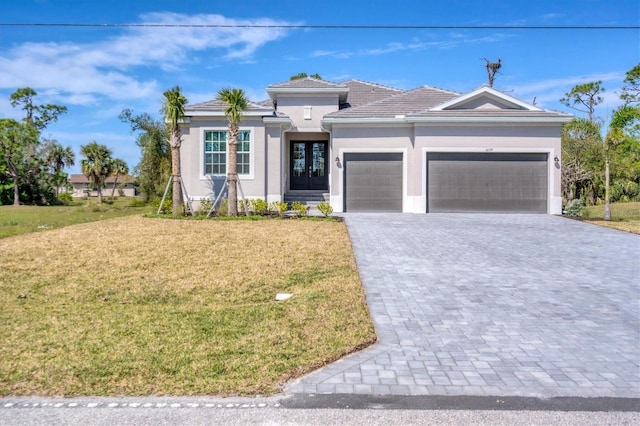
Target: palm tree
x=118 y=167
x=173 y=108
x=96 y=165
x=623 y=118
x=236 y=103
x=59 y=157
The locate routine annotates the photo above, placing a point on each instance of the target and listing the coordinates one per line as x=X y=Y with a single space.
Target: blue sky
x=98 y=71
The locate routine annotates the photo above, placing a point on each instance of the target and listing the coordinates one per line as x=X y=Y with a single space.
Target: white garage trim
x=337 y=200
x=554 y=204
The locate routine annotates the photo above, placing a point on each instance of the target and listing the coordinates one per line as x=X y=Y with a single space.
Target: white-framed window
x=216 y=152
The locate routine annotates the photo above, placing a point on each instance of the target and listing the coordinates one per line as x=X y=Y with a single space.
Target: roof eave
x=491 y=119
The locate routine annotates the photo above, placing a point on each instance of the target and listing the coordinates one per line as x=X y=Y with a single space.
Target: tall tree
x=155 y=153
x=58 y=157
x=18 y=143
x=236 y=104
x=118 y=168
x=302 y=75
x=622 y=120
x=173 y=108
x=38 y=116
x=585 y=97
x=631 y=88
x=96 y=165
x=580 y=154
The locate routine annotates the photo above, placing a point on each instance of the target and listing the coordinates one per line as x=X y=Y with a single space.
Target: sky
x=97 y=71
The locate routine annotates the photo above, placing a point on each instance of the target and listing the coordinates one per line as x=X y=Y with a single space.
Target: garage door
x=373 y=182
x=487 y=182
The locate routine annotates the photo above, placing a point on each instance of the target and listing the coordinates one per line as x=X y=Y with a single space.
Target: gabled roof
x=362 y=92
x=508 y=102
x=401 y=104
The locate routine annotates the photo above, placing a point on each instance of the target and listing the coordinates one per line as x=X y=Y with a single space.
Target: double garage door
x=456 y=182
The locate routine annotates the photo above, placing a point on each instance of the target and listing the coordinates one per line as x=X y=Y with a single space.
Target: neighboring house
x=366 y=147
x=81 y=186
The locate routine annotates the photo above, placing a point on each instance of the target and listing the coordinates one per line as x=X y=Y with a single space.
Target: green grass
x=624 y=216
x=26 y=219
x=147 y=306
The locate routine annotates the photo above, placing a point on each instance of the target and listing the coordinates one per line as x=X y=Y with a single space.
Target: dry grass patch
x=137 y=306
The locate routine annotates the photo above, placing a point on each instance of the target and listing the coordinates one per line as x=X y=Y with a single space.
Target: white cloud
x=85 y=73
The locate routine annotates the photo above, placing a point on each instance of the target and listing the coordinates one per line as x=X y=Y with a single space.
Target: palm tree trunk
x=232 y=175
x=99 y=192
x=175 y=178
x=113 y=190
x=607 y=206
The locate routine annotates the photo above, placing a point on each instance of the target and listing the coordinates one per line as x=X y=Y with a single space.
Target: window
x=215 y=152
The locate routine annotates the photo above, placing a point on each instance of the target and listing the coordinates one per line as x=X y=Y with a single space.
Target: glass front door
x=308 y=165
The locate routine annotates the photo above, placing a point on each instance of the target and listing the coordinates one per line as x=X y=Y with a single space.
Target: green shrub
x=223 y=208
x=278 y=207
x=259 y=206
x=65 y=198
x=300 y=208
x=167 y=206
x=205 y=206
x=325 y=208
x=575 y=208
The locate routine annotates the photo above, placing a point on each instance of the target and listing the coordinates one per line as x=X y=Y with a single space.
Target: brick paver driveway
x=512 y=305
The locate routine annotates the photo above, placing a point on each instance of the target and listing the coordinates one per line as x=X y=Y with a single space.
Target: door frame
x=309 y=158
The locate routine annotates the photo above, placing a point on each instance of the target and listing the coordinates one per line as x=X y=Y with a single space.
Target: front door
x=308 y=166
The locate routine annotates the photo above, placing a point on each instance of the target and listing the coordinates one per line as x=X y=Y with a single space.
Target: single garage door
x=373 y=182
x=487 y=182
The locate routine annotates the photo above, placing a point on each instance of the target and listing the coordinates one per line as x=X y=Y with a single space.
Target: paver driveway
x=512 y=305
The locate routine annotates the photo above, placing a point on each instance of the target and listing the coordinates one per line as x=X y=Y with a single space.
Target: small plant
x=244 y=205
x=259 y=206
x=166 y=206
x=300 y=208
x=325 y=208
x=205 y=206
x=65 y=198
x=223 y=208
x=278 y=207
x=575 y=208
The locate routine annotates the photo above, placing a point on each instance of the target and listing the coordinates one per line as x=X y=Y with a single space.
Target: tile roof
x=80 y=178
x=362 y=92
x=216 y=105
x=307 y=83
x=403 y=103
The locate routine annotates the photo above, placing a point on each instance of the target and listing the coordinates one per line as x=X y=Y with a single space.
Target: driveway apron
x=511 y=305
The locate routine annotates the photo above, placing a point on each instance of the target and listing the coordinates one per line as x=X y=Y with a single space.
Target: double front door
x=309 y=165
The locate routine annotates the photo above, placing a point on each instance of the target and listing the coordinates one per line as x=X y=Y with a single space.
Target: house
x=366 y=147
x=80 y=184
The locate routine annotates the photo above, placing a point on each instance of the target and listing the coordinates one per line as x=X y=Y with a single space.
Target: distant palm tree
x=173 y=108
x=96 y=165
x=236 y=103
x=59 y=157
x=118 y=167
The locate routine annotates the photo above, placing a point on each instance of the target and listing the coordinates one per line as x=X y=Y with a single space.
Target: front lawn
x=20 y=220
x=141 y=306
x=624 y=216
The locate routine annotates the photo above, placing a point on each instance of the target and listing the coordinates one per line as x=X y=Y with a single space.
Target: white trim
x=493 y=119
x=552 y=200
x=337 y=200
x=485 y=90
x=252 y=150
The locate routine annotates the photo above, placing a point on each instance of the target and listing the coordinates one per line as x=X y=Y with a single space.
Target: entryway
x=309 y=166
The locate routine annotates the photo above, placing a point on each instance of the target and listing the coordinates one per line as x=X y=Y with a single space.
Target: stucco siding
x=294 y=107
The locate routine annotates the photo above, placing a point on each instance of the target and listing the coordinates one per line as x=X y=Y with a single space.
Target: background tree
x=622 y=121
x=38 y=116
x=58 y=157
x=96 y=165
x=173 y=108
x=236 y=104
x=631 y=88
x=118 y=168
x=301 y=75
x=585 y=97
x=154 y=168
x=580 y=156
x=18 y=143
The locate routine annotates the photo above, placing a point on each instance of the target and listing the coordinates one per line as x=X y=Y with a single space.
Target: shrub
x=223 y=208
x=167 y=206
x=325 y=208
x=205 y=206
x=259 y=206
x=65 y=198
x=575 y=208
x=278 y=207
x=300 y=208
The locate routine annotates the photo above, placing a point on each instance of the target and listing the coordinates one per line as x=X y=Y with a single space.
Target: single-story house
x=366 y=147
x=81 y=186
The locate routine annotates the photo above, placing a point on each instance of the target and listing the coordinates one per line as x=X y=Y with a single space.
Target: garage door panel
x=468 y=182
x=373 y=181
